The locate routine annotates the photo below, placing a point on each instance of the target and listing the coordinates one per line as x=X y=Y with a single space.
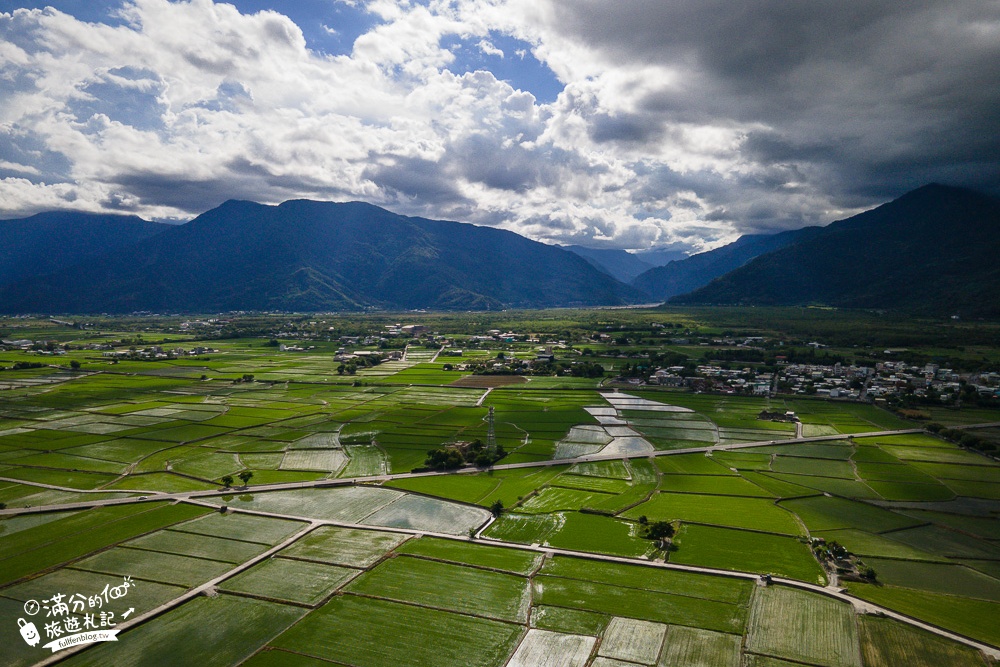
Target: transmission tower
x=491 y=436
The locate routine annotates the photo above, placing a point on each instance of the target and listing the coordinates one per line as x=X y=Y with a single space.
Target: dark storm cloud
x=869 y=96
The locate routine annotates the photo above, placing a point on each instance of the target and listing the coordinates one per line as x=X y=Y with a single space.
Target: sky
x=628 y=124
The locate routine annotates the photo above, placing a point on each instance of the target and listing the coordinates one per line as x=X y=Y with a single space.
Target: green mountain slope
x=932 y=251
x=685 y=275
x=48 y=242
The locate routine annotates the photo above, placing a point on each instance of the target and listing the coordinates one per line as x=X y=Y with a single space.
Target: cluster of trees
x=963 y=438
x=245 y=477
x=352 y=366
x=836 y=554
x=23 y=365
x=453 y=457
x=659 y=531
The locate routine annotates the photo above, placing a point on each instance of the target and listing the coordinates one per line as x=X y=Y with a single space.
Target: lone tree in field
x=227 y=481
x=245 y=477
x=658 y=530
x=497 y=507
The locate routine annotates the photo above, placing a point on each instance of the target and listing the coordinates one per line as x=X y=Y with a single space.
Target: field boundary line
x=189 y=595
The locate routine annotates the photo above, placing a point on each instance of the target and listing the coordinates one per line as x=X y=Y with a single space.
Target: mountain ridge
x=316 y=256
x=47 y=242
x=931 y=251
x=686 y=275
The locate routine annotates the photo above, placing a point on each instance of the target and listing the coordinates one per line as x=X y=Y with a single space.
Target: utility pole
x=491 y=436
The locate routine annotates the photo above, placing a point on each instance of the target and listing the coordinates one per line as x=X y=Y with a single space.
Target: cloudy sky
x=608 y=123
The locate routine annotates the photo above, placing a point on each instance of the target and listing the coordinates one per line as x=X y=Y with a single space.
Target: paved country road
x=150 y=496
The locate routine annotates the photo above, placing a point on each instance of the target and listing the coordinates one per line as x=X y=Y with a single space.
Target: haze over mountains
x=931 y=251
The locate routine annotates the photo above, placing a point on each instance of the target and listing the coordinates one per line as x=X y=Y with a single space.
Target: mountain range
x=685 y=275
x=931 y=251
x=309 y=256
x=47 y=242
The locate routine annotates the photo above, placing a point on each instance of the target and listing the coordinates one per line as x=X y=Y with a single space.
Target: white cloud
x=489 y=49
x=675 y=125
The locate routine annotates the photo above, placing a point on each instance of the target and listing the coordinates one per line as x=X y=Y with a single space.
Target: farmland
x=338 y=546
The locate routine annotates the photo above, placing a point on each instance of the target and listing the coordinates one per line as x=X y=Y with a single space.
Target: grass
x=972 y=618
x=566 y=620
x=290 y=580
x=350 y=547
x=949 y=579
x=523 y=528
x=693 y=464
x=212 y=632
x=143 y=596
x=946 y=542
x=176 y=569
x=542 y=648
x=887 y=643
x=514 y=561
x=869 y=544
x=354 y=630
x=746 y=551
x=823 y=513
x=713 y=484
x=599 y=534
x=804 y=627
x=632 y=640
x=554 y=499
x=57 y=542
x=709 y=587
x=694 y=647
x=447 y=586
x=833 y=485
x=636 y=603
x=199 y=546
x=752 y=513
x=245 y=527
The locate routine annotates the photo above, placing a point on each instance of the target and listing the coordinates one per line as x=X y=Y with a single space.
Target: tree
x=445 y=458
x=496 y=509
x=227 y=481
x=245 y=477
x=248 y=377
x=74 y=364
x=658 y=530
